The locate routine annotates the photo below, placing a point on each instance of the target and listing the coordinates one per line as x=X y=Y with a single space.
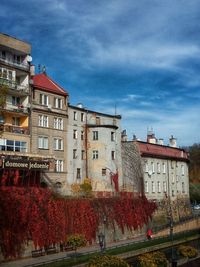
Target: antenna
x=39 y=68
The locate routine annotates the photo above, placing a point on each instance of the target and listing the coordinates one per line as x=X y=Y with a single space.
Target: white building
x=94 y=148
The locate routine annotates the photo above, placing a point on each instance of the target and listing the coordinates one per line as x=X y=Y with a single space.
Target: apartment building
x=18 y=165
x=49 y=119
x=165 y=168
x=94 y=148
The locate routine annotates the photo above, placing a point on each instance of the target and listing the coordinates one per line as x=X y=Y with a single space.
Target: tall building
x=94 y=149
x=49 y=119
x=18 y=166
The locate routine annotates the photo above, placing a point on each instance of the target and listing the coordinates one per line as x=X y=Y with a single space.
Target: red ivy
x=35 y=214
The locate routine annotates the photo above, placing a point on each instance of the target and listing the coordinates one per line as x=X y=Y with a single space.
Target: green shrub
x=106 y=261
x=76 y=241
x=187 y=251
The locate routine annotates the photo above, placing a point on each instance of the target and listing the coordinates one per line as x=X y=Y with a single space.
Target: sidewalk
x=29 y=261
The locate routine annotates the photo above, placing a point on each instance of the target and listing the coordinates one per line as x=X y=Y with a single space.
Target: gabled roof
x=43 y=82
x=161 y=151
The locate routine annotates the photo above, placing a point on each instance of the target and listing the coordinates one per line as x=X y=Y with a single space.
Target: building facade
x=18 y=166
x=94 y=148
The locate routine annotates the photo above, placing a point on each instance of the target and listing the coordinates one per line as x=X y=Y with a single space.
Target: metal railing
x=14 y=63
x=14 y=86
x=15 y=129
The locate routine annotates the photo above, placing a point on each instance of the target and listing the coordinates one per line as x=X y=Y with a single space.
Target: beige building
x=18 y=166
x=49 y=120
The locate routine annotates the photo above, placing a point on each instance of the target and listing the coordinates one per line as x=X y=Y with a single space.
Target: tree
x=107 y=260
x=76 y=241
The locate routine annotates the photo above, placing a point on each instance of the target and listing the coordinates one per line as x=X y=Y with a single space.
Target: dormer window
x=44 y=100
x=58 y=102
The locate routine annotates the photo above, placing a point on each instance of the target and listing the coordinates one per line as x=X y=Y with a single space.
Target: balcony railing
x=14 y=129
x=14 y=86
x=13 y=63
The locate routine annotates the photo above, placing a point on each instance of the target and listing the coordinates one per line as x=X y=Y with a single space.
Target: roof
x=161 y=151
x=43 y=82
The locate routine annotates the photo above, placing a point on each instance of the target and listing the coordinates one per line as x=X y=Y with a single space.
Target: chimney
x=32 y=70
x=124 y=136
x=134 y=137
x=172 y=141
x=151 y=137
x=161 y=141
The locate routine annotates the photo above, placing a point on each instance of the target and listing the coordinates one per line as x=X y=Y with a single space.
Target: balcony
x=17 y=64
x=14 y=129
x=16 y=109
x=23 y=89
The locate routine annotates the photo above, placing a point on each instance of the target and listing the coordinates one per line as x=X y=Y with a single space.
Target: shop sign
x=25 y=164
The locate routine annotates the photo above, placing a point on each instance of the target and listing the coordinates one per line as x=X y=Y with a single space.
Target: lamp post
x=101 y=238
x=104 y=231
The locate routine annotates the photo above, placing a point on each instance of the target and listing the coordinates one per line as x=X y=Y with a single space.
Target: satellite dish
x=29 y=59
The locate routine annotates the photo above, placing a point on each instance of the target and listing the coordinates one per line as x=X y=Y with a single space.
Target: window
x=57 y=102
x=3 y=53
x=152 y=167
x=146 y=185
x=98 y=120
x=44 y=99
x=153 y=187
x=183 y=187
x=59 y=165
x=158 y=167
x=95 y=135
x=58 y=144
x=82 y=154
x=15 y=101
x=74 y=153
x=159 y=187
x=43 y=142
x=164 y=168
x=78 y=173
x=112 y=136
x=173 y=178
x=6 y=74
x=146 y=167
x=103 y=171
x=75 y=134
x=112 y=155
x=173 y=194
x=13 y=145
x=82 y=116
x=82 y=135
x=42 y=121
x=16 y=121
x=75 y=116
x=58 y=123
x=182 y=170
x=95 y=154
x=164 y=187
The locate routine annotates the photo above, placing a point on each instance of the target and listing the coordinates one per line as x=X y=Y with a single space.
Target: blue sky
x=138 y=58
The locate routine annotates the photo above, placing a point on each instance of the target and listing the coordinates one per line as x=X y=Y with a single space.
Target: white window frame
x=113 y=155
x=153 y=187
x=74 y=153
x=152 y=167
x=182 y=170
x=59 y=165
x=183 y=187
x=164 y=167
x=43 y=142
x=43 y=121
x=82 y=116
x=146 y=167
x=58 y=143
x=44 y=99
x=58 y=123
x=159 y=186
x=58 y=102
x=112 y=136
x=164 y=186
x=158 y=167
x=146 y=186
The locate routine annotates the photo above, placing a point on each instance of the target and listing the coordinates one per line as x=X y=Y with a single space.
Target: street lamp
x=101 y=238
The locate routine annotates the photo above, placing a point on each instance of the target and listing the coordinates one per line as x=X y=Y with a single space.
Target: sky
x=138 y=59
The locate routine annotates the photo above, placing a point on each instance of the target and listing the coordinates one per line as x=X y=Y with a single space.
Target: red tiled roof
x=160 y=151
x=43 y=82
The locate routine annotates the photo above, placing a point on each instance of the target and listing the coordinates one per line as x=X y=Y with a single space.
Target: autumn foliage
x=37 y=214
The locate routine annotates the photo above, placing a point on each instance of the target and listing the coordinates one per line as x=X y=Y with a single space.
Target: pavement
x=27 y=262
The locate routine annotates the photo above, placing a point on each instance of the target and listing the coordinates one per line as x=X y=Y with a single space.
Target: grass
x=119 y=250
